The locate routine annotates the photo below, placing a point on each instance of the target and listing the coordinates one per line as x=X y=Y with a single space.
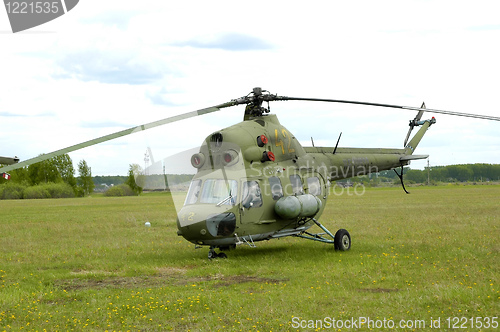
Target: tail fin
x=412 y=145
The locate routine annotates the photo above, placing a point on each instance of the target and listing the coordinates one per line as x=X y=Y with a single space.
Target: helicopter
x=254 y=181
x=8 y=160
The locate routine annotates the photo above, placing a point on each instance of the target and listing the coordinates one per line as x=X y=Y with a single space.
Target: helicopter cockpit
x=215 y=191
x=223 y=192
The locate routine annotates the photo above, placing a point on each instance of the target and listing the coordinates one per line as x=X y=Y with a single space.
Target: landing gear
x=212 y=254
x=342 y=240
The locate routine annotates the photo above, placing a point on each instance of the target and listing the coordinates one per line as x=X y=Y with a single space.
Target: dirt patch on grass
x=166 y=276
x=239 y=279
x=112 y=282
x=379 y=290
x=172 y=270
x=87 y=272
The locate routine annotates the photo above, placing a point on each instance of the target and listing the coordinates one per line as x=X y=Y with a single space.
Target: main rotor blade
x=430 y=110
x=117 y=135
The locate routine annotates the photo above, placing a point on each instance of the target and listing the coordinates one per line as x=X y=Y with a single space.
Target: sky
x=109 y=65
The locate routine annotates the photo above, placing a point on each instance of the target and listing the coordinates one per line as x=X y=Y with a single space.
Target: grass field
x=91 y=264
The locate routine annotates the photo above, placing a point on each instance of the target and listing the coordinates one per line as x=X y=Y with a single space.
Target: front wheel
x=342 y=240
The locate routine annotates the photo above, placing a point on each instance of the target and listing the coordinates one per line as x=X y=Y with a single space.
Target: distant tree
x=64 y=165
x=19 y=175
x=460 y=172
x=85 y=182
x=54 y=170
x=109 y=179
x=44 y=172
x=416 y=175
x=485 y=172
x=120 y=190
x=134 y=174
x=439 y=173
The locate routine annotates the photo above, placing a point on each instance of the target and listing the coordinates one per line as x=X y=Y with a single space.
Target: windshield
x=221 y=191
x=193 y=192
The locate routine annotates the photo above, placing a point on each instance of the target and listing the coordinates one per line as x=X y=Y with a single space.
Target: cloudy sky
x=110 y=65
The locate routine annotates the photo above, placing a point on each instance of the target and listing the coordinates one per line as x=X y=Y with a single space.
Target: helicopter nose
x=196 y=226
x=222 y=224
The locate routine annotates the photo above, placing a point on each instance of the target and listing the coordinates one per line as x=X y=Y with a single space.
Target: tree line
x=151 y=182
x=55 y=178
x=451 y=173
x=51 y=178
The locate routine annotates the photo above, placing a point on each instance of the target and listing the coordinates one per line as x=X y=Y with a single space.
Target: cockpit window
x=276 y=188
x=221 y=191
x=251 y=195
x=193 y=192
x=314 y=186
x=296 y=183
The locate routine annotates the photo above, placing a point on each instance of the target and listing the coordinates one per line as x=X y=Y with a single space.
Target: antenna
x=146 y=162
x=428 y=173
x=336 y=145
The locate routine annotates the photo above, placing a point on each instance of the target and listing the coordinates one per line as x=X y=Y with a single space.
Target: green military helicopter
x=256 y=182
x=8 y=160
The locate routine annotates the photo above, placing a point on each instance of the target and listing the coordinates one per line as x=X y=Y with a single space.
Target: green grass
x=91 y=264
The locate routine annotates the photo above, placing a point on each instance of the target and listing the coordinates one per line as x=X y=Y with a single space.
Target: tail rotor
x=414 y=123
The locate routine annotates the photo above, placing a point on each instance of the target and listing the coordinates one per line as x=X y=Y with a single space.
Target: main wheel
x=222 y=255
x=212 y=254
x=342 y=240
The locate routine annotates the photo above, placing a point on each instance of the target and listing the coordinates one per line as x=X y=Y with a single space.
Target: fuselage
x=255 y=181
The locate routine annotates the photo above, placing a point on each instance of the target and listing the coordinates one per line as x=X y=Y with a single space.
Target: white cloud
x=227 y=41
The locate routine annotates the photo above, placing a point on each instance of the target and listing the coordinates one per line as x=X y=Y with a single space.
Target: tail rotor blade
x=413 y=122
x=408 y=135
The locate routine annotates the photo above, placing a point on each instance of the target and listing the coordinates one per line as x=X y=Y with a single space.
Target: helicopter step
x=251 y=244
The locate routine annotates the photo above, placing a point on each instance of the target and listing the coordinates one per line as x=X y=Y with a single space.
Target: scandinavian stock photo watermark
x=26 y=14
x=356 y=323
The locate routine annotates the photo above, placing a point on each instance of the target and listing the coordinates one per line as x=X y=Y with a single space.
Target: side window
x=276 y=188
x=296 y=184
x=251 y=195
x=193 y=192
x=314 y=186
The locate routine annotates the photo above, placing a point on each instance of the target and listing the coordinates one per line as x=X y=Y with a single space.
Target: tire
x=342 y=240
x=222 y=255
x=212 y=254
